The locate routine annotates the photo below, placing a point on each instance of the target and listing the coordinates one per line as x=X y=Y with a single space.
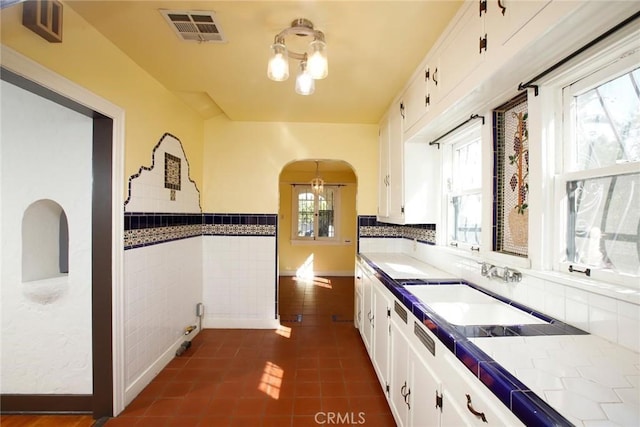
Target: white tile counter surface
x=400 y=266
x=589 y=380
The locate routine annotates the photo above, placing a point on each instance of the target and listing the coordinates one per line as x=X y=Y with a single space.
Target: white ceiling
x=373 y=48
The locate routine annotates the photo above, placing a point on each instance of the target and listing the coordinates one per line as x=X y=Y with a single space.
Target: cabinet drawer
x=470 y=401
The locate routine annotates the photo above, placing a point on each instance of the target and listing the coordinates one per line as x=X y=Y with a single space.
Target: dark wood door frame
x=100 y=403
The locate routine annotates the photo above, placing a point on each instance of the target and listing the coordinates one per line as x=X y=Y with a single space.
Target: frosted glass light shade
x=278 y=68
x=305 y=84
x=317 y=63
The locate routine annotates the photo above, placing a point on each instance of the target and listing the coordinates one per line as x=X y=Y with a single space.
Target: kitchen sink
x=464 y=305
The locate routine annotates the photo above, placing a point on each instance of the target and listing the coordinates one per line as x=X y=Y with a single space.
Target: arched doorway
x=317 y=241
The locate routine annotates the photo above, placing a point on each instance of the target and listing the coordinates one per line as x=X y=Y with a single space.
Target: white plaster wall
x=239 y=279
x=45 y=151
x=610 y=312
x=163 y=284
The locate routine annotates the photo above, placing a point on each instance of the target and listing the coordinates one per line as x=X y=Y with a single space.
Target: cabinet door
x=396 y=158
x=398 y=375
x=383 y=171
x=505 y=18
x=424 y=410
x=417 y=99
x=459 y=54
x=367 y=310
x=381 y=333
x=357 y=298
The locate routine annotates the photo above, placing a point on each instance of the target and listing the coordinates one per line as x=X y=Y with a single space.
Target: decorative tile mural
x=166 y=188
x=511 y=177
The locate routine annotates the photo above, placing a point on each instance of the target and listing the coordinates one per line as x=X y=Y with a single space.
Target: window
x=464 y=189
x=314 y=213
x=600 y=177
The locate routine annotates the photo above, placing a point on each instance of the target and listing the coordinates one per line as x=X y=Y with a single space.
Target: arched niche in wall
x=45 y=241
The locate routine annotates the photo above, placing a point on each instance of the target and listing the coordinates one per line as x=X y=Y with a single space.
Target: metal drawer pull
x=473 y=411
x=405 y=395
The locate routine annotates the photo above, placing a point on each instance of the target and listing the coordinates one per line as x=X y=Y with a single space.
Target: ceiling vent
x=198 y=26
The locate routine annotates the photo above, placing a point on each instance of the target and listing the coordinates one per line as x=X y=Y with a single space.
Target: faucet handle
x=512 y=275
x=486 y=269
x=506 y=274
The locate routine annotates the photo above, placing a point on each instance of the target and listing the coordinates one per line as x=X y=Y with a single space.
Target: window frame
x=595 y=73
x=464 y=137
x=306 y=188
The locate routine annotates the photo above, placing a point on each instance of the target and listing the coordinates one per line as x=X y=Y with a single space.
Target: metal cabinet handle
x=435 y=77
x=502 y=7
x=473 y=411
x=406 y=394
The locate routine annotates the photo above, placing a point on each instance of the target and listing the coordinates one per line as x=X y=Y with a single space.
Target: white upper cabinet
x=505 y=18
x=461 y=50
x=390 y=189
x=409 y=177
x=417 y=98
x=383 y=170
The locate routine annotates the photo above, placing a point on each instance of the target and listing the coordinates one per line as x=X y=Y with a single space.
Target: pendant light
x=317 y=183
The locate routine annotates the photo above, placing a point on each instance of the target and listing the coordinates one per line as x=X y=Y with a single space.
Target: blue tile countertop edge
x=523 y=402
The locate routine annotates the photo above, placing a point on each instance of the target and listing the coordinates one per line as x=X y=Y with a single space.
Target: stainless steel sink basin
x=463 y=305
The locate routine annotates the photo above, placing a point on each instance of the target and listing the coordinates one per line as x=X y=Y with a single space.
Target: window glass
x=607 y=122
x=465 y=217
x=603 y=222
x=306 y=214
x=326 y=226
x=465 y=186
x=315 y=212
x=602 y=115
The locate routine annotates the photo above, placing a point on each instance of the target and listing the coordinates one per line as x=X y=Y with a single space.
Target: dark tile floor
x=313 y=371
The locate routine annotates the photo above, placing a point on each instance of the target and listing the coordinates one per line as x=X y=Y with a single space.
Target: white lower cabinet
x=381 y=348
x=358 y=299
x=466 y=401
x=366 y=329
x=425 y=384
x=414 y=387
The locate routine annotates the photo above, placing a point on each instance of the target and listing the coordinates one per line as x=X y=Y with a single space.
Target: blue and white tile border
x=369 y=226
x=146 y=229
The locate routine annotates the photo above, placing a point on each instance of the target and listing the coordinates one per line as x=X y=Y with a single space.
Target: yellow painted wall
x=236 y=165
x=326 y=258
x=90 y=60
x=244 y=161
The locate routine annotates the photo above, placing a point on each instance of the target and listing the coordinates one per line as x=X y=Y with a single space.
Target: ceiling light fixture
x=317 y=183
x=313 y=62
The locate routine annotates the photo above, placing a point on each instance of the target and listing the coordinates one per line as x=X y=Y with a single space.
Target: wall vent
x=198 y=26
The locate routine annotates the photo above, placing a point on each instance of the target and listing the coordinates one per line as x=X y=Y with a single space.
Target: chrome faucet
x=508 y=274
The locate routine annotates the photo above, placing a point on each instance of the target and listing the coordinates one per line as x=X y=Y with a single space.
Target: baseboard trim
x=332 y=273
x=214 y=322
x=46 y=403
x=152 y=371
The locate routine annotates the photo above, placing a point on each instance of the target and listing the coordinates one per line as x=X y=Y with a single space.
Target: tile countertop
x=588 y=380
